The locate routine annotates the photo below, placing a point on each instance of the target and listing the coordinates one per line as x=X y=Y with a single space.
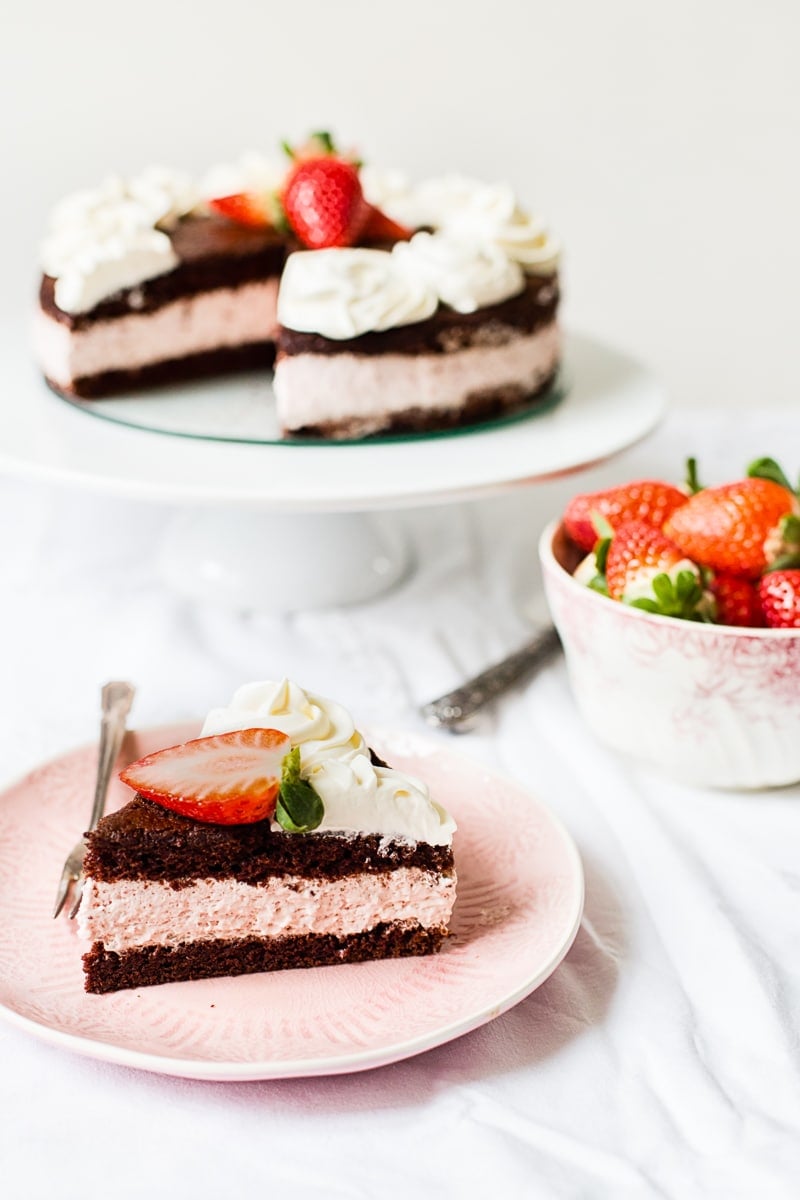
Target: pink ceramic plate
x=520 y=898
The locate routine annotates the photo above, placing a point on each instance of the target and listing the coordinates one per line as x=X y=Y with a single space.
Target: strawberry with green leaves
x=645 y=569
x=324 y=202
x=230 y=779
x=647 y=500
x=321 y=200
x=740 y=528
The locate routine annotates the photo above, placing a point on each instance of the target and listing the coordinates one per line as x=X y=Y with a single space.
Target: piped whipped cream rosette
x=112 y=237
x=344 y=293
x=465 y=273
x=357 y=796
x=467 y=208
x=252 y=172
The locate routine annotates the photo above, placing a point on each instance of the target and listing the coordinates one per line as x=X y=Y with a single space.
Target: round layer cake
x=384 y=306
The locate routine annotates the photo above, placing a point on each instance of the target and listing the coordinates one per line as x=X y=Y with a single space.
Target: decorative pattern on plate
x=519 y=904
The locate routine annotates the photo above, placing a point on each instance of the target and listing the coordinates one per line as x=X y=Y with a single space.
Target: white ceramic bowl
x=715 y=705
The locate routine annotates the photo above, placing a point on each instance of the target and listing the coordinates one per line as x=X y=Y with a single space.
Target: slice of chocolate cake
x=168 y=896
x=212 y=310
x=451 y=369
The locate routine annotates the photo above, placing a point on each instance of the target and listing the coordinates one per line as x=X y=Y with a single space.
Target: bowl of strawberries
x=679 y=611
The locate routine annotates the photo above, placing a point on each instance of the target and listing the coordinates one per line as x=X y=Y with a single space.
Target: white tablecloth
x=661 y=1059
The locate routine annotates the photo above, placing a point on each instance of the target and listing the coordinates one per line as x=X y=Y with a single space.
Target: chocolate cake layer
x=145 y=841
x=107 y=971
x=213 y=253
x=208 y=365
x=444 y=332
x=478 y=407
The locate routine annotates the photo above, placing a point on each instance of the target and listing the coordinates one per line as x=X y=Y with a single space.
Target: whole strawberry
x=736 y=601
x=738 y=528
x=324 y=202
x=322 y=197
x=779 y=593
x=647 y=500
x=647 y=570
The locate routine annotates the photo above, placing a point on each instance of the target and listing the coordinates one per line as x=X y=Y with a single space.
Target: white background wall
x=661 y=138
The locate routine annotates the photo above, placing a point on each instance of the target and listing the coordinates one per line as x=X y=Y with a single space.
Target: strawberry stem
x=325 y=141
x=692 y=482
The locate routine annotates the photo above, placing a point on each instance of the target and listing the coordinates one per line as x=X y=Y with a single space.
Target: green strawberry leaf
x=767 y=468
x=601 y=526
x=325 y=141
x=599 y=584
x=601 y=555
x=300 y=808
x=784 y=562
x=682 y=597
x=790 y=531
x=650 y=606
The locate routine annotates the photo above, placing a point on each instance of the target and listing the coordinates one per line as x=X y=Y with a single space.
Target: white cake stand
x=314 y=506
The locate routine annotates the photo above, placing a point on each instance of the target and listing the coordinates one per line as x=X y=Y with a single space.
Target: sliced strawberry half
x=378 y=226
x=246 y=208
x=228 y=779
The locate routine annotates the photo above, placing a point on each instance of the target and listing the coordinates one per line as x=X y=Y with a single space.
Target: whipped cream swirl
x=465 y=273
x=112 y=237
x=491 y=212
x=251 y=172
x=358 y=797
x=320 y=727
x=344 y=293
x=469 y=209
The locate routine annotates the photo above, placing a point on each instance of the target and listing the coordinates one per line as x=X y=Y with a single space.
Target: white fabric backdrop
x=661 y=1060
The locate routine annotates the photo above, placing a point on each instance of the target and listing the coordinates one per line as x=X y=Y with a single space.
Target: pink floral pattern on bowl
x=715 y=705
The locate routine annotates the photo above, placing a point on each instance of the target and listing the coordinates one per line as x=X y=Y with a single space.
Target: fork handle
x=116 y=704
x=454 y=710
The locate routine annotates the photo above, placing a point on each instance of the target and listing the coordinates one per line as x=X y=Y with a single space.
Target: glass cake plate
x=609 y=403
x=241 y=408
x=519 y=906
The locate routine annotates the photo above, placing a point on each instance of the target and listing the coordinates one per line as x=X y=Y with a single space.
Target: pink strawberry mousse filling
x=315 y=389
x=215 y=320
x=130 y=914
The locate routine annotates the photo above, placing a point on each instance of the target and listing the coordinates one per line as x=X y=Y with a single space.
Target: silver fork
x=116 y=704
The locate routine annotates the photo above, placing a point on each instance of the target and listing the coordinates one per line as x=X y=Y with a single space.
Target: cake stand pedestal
x=284 y=526
x=239 y=560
